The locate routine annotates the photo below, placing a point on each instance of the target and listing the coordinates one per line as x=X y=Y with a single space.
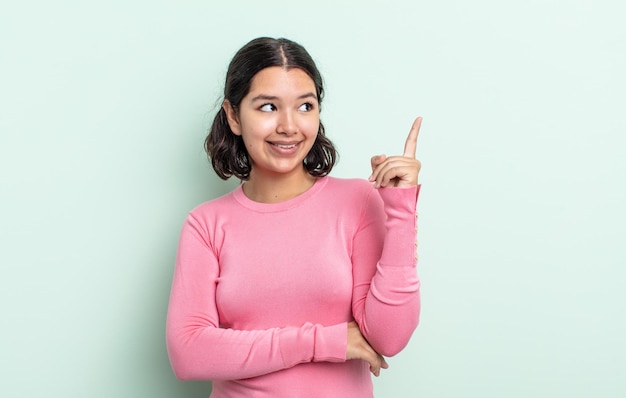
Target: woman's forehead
x=280 y=82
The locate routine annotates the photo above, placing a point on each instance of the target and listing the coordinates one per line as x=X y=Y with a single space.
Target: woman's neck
x=273 y=189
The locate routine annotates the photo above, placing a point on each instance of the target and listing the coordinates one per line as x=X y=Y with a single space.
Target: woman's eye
x=306 y=107
x=267 y=108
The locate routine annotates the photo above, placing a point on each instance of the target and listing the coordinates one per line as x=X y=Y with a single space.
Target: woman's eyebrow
x=266 y=97
x=308 y=95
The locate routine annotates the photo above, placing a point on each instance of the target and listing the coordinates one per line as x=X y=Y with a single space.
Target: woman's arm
x=386 y=300
x=199 y=349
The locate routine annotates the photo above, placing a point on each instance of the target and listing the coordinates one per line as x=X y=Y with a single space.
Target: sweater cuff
x=313 y=343
x=401 y=238
x=331 y=343
x=404 y=199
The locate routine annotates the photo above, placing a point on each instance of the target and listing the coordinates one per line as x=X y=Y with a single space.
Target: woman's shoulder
x=351 y=197
x=214 y=206
x=351 y=186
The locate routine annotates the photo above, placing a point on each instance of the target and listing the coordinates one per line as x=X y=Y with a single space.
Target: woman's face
x=278 y=120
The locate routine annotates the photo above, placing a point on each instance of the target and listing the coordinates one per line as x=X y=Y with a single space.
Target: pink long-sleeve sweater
x=262 y=293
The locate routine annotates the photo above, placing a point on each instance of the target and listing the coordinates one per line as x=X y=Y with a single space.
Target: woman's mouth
x=284 y=148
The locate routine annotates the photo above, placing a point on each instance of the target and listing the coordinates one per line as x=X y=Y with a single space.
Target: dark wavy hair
x=226 y=150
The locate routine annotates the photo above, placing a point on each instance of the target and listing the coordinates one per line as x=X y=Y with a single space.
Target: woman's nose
x=286 y=123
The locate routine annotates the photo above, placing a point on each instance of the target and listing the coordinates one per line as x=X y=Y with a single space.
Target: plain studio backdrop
x=103 y=110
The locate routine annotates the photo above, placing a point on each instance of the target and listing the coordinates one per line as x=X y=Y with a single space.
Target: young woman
x=296 y=283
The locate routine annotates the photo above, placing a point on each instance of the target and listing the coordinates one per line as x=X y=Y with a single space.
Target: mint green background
x=103 y=110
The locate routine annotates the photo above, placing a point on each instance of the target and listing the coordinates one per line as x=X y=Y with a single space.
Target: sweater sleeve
x=199 y=349
x=386 y=299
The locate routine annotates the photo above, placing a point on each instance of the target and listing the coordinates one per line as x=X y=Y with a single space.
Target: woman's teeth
x=285 y=146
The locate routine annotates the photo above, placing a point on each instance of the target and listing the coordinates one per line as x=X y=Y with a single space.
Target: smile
x=285 y=146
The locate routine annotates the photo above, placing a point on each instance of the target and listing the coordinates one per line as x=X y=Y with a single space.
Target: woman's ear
x=232 y=117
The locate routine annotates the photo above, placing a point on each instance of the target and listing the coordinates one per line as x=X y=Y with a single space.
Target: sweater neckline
x=241 y=197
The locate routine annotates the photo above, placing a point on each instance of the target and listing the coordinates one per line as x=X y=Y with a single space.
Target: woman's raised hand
x=359 y=348
x=398 y=171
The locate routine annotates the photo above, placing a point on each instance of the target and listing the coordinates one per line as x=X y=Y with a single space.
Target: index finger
x=410 y=145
